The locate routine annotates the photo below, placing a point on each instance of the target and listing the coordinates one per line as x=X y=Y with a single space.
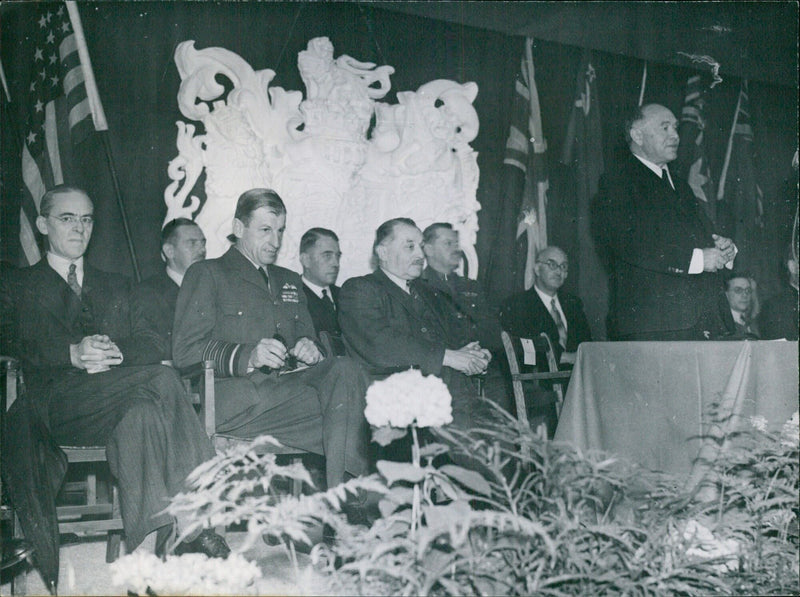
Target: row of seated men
x=90 y=349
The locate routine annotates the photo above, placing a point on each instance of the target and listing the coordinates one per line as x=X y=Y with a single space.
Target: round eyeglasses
x=553 y=266
x=71 y=220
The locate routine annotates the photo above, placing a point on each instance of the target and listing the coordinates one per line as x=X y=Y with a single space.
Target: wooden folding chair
x=17 y=550
x=201 y=378
x=542 y=347
x=92 y=516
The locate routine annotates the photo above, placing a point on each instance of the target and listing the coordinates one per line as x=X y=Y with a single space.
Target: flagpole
x=5 y=83
x=726 y=163
x=643 y=85
x=101 y=126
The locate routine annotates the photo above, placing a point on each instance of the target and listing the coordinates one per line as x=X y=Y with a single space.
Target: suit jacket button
x=424 y=330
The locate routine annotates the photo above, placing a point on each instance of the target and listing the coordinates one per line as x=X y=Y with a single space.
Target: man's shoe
x=15 y=551
x=207 y=543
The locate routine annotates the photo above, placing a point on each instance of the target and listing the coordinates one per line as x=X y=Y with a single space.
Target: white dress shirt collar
x=403 y=284
x=547 y=300
x=255 y=265
x=175 y=276
x=316 y=289
x=61 y=266
x=656 y=168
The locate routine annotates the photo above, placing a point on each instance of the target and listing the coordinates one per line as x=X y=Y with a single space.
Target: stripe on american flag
x=58 y=112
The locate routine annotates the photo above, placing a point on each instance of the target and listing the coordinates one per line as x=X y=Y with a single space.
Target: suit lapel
x=244 y=269
x=395 y=291
x=53 y=294
x=681 y=201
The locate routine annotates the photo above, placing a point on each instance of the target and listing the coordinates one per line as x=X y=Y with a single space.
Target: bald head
x=653 y=134
x=550 y=271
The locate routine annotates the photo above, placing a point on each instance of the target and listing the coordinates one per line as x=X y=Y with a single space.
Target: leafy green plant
x=520 y=515
x=549 y=520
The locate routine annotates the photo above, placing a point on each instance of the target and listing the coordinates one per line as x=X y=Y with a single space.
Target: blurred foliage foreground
x=498 y=510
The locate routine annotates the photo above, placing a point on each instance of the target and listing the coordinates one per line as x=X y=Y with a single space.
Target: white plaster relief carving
x=317 y=153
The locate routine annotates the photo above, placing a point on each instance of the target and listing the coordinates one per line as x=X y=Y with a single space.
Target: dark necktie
x=72 y=280
x=562 y=329
x=328 y=299
x=411 y=291
x=264 y=275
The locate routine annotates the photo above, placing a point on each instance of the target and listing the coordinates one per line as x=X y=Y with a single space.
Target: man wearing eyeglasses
x=736 y=312
x=91 y=381
x=545 y=308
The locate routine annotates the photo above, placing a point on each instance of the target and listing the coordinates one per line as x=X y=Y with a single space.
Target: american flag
x=62 y=106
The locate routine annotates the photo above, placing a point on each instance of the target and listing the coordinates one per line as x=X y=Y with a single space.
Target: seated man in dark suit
x=393 y=321
x=319 y=256
x=544 y=308
x=442 y=250
x=778 y=317
x=734 y=315
x=90 y=379
x=182 y=244
x=250 y=317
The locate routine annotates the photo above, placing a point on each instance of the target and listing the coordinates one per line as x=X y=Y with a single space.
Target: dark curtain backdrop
x=131 y=46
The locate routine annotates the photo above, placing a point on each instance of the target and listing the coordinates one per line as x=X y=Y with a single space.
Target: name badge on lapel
x=289 y=293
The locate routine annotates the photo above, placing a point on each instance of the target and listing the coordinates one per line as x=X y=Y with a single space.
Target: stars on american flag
x=48 y=71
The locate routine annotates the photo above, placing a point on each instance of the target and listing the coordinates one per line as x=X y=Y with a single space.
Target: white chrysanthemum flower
x=190 y=574
x=790 y=434
x=759 y=422
x=704 y=545
x=409 y=397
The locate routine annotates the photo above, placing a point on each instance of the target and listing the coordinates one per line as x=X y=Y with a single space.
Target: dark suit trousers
x=319 y=409
x=152 y=435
